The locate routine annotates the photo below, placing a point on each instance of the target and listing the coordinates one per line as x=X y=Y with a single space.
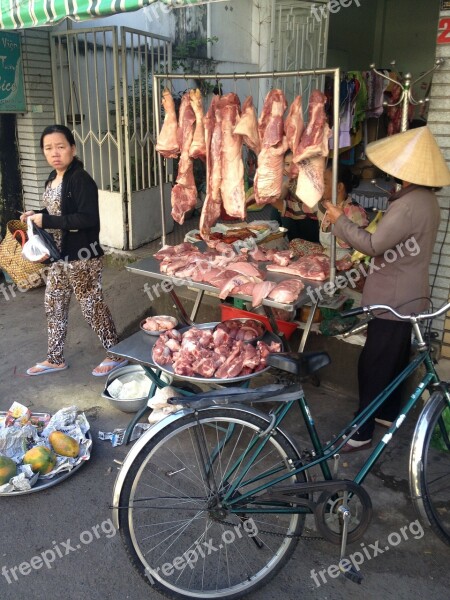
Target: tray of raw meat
x=207 y=353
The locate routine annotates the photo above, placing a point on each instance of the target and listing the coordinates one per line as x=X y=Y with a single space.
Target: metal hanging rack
x=336 y=73
x=407 y=97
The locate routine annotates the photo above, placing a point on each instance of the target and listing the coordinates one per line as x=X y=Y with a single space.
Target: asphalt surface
x=60 y=521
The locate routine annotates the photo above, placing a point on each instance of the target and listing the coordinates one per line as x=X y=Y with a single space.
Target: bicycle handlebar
x=419 y=317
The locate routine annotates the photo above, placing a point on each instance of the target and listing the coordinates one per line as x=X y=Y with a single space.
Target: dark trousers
x=385 y=354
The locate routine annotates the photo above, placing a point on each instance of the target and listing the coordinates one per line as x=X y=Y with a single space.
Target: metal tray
x=43 y=484
x=268 y=338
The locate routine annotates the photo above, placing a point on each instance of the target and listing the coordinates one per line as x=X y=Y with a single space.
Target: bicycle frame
x=324 y=453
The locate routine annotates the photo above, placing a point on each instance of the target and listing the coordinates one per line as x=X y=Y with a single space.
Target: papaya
x=7 y=469
x=64 y=444
x=41 y=459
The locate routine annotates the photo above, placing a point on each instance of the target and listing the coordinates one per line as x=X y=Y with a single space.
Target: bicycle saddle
x=299 y=363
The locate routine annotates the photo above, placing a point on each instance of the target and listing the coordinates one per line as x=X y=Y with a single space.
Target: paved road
x=61 y=522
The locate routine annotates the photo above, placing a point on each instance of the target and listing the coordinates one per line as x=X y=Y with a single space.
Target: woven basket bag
x=24 y=273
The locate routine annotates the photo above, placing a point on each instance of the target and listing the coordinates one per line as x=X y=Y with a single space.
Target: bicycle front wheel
x=435 y=479
x=181 y=533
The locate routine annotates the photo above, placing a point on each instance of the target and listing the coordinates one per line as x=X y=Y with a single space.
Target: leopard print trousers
x=84 y=279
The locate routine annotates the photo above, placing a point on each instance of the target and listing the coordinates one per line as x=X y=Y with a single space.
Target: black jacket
x=79 y=220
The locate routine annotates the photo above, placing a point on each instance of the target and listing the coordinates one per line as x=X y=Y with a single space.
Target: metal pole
x=157 y=110
x=249 y=75
x=334 y=179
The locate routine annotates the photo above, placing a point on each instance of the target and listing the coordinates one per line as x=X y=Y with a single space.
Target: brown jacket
x=402 y=246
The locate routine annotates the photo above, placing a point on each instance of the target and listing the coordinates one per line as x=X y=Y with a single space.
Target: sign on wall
x=445 y=4
x=12 y=97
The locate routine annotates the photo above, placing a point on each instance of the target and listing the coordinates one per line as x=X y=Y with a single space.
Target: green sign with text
x=12 y=97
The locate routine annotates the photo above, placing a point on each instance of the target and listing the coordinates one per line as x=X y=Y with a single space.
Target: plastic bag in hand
x=40 y=245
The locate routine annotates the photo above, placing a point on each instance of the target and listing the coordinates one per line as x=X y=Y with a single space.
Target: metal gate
x=103 y=92
x=299 y=41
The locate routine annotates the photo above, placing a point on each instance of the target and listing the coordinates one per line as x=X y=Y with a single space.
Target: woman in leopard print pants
x=71 y=214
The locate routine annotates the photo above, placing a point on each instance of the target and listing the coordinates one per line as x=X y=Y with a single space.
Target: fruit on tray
x=7 y=469
x=41 y=459
x=64 y=444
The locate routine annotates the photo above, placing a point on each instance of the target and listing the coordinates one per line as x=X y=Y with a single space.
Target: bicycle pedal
x=350 y=573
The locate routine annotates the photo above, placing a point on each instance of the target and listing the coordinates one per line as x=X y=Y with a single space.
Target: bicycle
x=211 y=502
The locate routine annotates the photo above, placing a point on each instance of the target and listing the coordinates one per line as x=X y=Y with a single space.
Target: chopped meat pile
x=245 y=330
x=210 y=353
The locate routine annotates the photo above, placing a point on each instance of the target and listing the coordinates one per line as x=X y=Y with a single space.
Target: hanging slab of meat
x=184 y=193
x=248 y=126
x=287 y=291
x=213 y=201
x=167 y=143
x=316 y=268
x=269 y=174
x=312 y=151
x=294 y=125
x=293 y=128
x=270 y=124
x=232 y=185
x=198 y=146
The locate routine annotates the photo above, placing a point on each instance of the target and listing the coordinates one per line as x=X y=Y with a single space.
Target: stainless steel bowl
x=128 y=405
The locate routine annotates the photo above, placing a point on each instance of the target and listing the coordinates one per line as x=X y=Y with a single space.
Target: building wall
x=439 y=122
x=40 y=113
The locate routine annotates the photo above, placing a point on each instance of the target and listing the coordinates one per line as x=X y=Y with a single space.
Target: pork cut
x=316 y=268
x=247 y=126
x=167 y=142
x=232 y=185
x=311 y=153
x=269 y=174
x=213 y=201
x=175 y=250
x=293 y=128
x=198 y=146
x=184 y=192
x=287 y=291
x=261 y=291
x=270 y=123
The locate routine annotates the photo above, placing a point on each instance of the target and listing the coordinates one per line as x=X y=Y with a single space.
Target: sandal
x=114 y=364
x=44 y=369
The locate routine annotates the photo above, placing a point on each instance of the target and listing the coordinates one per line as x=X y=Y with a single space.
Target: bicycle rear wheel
x=435 y=477
x=179 y=537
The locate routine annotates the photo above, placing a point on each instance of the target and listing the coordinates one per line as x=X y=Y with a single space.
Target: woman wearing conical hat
x=401 y=248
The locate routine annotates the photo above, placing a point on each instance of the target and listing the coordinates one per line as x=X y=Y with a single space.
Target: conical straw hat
x=412 y=156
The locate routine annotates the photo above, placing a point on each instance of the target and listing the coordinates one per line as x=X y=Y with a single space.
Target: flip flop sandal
x=116 y=364
x=45 y=369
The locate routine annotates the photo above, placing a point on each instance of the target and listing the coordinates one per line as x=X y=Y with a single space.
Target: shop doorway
x=102 y=80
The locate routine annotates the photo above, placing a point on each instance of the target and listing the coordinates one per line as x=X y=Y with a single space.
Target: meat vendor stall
x=218 y=137
x=266 y=278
